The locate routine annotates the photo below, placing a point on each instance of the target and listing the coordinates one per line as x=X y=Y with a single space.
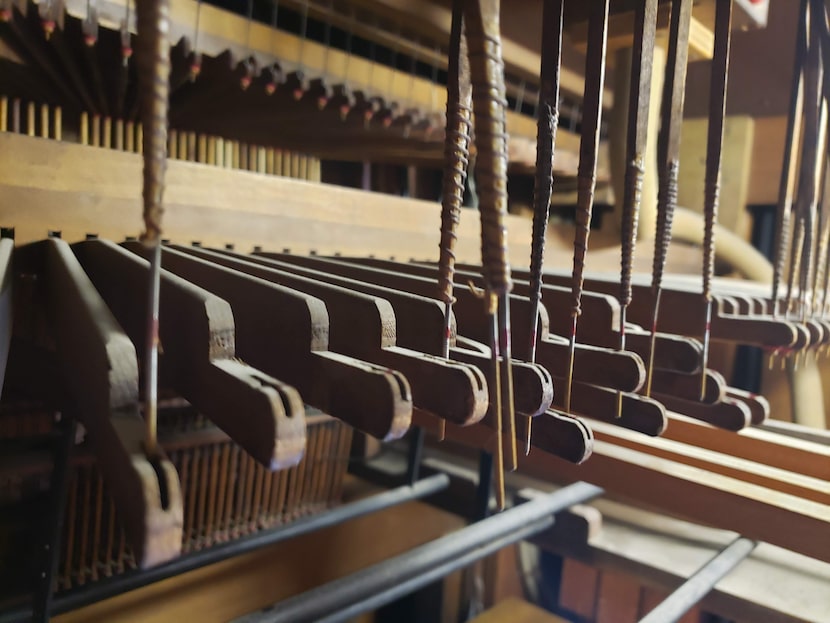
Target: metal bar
x=137 y=579
x=702 y=581
x=416 y=452
x=59 y=487
x=436 y=573
x=361 y=587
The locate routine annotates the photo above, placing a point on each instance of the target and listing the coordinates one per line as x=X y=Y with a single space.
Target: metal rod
x=333 y=598
x=546 y=126
x=587 y=170
x=702 y=581
x=133 y=580
x=714 y=153
x=436 y=573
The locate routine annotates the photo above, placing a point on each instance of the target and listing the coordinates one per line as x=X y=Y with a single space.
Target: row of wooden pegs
x=45 y=121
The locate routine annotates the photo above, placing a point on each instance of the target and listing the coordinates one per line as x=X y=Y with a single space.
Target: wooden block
x=619 y=598
x=579 y=587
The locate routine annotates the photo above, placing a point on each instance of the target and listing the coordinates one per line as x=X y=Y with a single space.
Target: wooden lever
x=627 y=370
x=687 y=386
x=729 y=413
x=638 y=413
x=557 y=434
x=758 y=405
x=364 y=326
x=286 y=334
x=263 y=415
x=103 y=392
x=420 y=325
x=687 y=306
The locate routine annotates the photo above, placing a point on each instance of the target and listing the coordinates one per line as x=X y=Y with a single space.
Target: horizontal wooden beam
x=79 y=189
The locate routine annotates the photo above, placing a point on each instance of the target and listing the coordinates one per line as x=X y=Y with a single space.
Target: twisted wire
x=788 y=167
x=153 y=59
x=714 y=143
x=589 y=146
x=585 y=201
x=547 y=124
x=633 y=194
x=456 y=153
x=489 y=103
x=711 y=199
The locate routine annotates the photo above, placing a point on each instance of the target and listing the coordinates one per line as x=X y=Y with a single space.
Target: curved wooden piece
x=687 y=386
x=758 y=405
x=263 y=415
x=104 y=394
x=557 y=434
x=285 y=333
x=730 y=414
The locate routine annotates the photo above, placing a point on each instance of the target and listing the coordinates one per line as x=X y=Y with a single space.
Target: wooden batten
x=216 y=205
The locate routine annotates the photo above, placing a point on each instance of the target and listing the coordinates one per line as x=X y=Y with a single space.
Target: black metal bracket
x=50 y=548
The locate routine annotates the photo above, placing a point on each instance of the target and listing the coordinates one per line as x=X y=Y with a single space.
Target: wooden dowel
x=202 y=154
x=191 y=147
x=220 y=152
x=16 y=116
x=107 y=133
x=44 y=121
x=57 y=133
x=4 y=113
x=278 y=162
x=211 y=150
x=269 y=161
x=260 y=160
x=129 y=136
x=96 y=131
x=30 y=119
x=119 y=134
x=172 y=144
x=295 y=165
x=84 y=132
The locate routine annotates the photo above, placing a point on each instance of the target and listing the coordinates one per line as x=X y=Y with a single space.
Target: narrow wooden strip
x=107 y=133
x=30 y=119
x=44 y=121
x=4 y=113
x=139 y=138
x=119 y=135
x=57 y=132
